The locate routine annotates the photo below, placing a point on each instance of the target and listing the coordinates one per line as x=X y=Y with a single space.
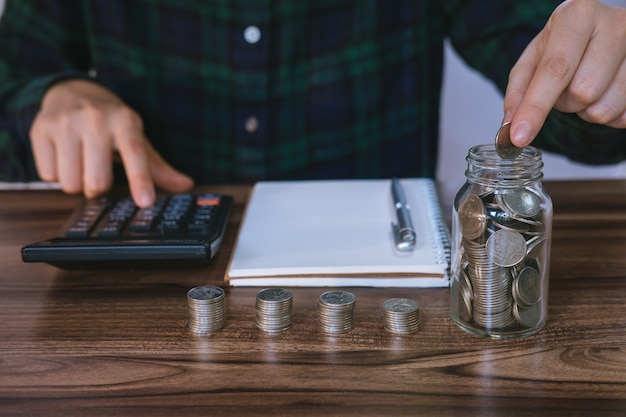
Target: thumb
x=164 y=175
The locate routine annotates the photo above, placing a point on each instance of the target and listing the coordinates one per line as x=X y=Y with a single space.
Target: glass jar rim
x=485 y=166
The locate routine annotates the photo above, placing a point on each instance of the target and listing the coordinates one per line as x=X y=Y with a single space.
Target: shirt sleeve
x=41 y=42
x=490 y=35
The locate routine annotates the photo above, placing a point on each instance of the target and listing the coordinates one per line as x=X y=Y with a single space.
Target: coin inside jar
x=506 y=248
x=520 y=203
x=528 y=317
x=526 y=290
x=473 y=217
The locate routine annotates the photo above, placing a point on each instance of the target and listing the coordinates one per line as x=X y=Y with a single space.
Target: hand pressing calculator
x=110 y=230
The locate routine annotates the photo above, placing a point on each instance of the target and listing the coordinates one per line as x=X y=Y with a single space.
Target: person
x=183 y=91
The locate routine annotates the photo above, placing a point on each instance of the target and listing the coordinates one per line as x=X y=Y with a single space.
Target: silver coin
x=274 y=310
x=465 y=308
x=273 y=326
x=499 y=320
x=207 y=309
x=463 y=296
x=401 y=316
x=274 y=294
x=205 y=293
x=506 y=248
x=472 y=217
x=400 y=305
x=528 y=317
x=535 y=245
x=338 y=298
x=527 y=287
x=335 y=311
x=465 y=286
x=504 y=146
x=520 y=203
x=513 y=227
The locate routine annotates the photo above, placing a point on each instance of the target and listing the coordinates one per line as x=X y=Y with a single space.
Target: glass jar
x=501 y=234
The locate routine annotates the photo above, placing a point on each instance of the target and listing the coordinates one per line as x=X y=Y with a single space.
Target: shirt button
x=251 y=124
x=252 y=34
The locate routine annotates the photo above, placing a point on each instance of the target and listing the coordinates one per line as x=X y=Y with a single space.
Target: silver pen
x=403 y=231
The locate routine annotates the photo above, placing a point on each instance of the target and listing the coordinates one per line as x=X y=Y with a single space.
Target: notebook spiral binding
x=443 y=251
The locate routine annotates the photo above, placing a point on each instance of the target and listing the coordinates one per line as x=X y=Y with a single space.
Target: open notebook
x=338 y=233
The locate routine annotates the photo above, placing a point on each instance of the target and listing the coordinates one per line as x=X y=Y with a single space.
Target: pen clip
x=403 y=238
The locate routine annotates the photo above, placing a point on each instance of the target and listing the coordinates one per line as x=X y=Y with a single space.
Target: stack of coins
x=491 y=285
x=335 y=311
x=274 y=310
x=207 y=309
x=401 y=316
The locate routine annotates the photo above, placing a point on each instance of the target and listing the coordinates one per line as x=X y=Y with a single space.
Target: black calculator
x=113 y=231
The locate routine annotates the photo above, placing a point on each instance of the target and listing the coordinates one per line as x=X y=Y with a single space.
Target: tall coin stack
x=207 y=309
x=401 y=316
x=335 y=311
x=274 y=310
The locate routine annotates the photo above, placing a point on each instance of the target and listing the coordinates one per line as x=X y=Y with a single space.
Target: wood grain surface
x=114 y=342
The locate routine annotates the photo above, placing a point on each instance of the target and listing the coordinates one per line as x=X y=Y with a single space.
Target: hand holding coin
x=504 y=146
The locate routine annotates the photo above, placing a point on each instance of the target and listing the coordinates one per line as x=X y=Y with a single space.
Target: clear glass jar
x=501 y=235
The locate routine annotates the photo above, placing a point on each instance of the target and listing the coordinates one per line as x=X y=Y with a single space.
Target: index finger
x=551 y=67
x=131 y=145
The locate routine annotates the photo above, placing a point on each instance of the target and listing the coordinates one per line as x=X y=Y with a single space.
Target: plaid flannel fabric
x=242 y=90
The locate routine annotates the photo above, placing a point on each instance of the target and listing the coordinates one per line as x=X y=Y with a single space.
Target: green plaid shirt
x=242 y=90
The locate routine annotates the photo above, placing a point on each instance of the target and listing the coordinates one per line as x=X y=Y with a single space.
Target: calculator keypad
x=178 y=214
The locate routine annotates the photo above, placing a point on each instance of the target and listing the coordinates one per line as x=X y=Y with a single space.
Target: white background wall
x=471 y=114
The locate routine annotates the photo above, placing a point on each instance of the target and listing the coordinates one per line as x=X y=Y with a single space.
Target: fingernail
x=522 y=135
x=145 y=198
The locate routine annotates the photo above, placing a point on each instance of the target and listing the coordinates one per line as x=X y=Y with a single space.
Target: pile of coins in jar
x=499 y=278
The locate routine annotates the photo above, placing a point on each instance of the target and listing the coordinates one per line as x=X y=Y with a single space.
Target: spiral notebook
x=339 y=233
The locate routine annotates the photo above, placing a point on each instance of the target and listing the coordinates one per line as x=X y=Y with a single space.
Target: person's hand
x=78 y=131
x=576 y=64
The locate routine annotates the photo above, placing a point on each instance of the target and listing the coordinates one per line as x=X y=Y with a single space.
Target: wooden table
x=110 y=343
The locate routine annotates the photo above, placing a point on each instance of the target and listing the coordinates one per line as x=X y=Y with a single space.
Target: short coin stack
x=207 y=309
x=401 y=316
x=274 y=310
x=335 y=311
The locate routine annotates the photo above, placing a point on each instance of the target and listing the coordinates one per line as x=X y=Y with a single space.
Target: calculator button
x=169 y=227
x=208 y=200
x=77 y=231
x=92 y=212
x=112 y=228
x=141 y=226
x=108 y=231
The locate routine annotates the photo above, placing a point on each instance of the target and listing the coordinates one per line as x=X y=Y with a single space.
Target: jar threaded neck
x=487 y=168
